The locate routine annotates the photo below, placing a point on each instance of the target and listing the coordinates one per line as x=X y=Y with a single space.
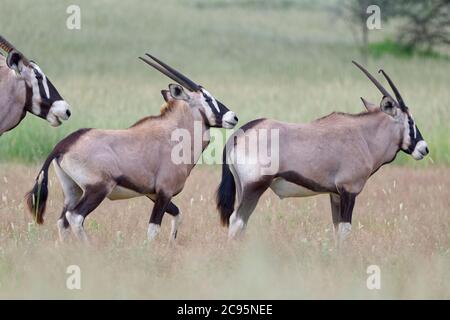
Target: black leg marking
x=172 y=209
x=91 y=199
x=161 y=203
x=346 y=205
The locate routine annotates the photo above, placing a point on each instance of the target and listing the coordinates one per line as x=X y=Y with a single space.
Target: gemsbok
x=25 y=88
x=92 y=164
x=335 y=154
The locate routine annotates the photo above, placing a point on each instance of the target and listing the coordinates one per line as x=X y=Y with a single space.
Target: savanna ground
x=283 y=59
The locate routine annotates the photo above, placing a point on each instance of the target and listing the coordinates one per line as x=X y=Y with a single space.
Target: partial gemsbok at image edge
x=335 y=154
x=25 y=88
x=92 y=164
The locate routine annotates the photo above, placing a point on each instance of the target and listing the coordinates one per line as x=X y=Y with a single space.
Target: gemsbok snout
x=335 y=154
x=25 y=88
x=92 y=164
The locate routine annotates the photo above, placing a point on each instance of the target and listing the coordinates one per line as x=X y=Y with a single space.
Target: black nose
x=68 y=113
x=236 y=119
x=426 y=150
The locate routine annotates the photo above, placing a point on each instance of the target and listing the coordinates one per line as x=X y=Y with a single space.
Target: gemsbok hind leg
x=92 y=197
x=72 y=194
x=248 y=201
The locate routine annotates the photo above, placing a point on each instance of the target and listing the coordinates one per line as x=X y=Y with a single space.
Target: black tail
x=37 y=197
x=226 y=193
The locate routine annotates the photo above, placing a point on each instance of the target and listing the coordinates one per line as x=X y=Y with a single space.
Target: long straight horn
x=160 y=69
x=166 y=72
x=394 y=88
x=8 y=47
x=188 y=83
x=375 y=81
x=5 y=45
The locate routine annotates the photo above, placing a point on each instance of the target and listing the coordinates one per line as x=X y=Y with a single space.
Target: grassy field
x=401 y=224
x=287 y=60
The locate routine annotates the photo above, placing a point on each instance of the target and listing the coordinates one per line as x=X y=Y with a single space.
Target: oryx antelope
x=25 y=88
x=93 y=164
x=335 y=154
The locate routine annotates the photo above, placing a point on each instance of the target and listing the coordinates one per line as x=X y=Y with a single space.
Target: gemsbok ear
x=177 y=92
x=14 y=61
x=389 y=106
x=371 y=107
x=166 y=95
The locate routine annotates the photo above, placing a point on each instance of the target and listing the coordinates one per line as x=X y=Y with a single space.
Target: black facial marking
x=210 y=102
x=413 y=139
x=46 y=102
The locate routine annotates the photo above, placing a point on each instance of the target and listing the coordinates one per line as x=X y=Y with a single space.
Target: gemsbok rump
x=25 y=88
x=335 y=154
x=92 y=164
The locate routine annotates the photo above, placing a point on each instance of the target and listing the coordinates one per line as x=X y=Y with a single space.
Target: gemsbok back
x=92 y=164
x=25 y=88
x=335 y=154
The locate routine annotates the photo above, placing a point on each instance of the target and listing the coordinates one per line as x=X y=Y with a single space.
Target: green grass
x=391 y=47
x=284 y=62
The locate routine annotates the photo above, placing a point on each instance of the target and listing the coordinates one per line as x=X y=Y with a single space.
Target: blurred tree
x=426 y=25
x=356 y=14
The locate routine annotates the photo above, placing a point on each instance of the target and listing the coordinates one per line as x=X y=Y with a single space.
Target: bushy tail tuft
x=37 y=197
x=226 y=193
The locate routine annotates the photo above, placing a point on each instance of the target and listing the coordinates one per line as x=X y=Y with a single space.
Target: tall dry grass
x=401 y=224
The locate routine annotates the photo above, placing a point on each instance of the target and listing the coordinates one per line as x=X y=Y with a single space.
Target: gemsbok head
x=335 y=154
x=213 y=110
x=92 y=164
x=25 y=88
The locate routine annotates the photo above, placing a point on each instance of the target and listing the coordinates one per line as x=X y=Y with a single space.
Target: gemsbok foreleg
x=92 y=197
x=335 y=201
x=161 y=203
x=176 y=214
x=346 y=207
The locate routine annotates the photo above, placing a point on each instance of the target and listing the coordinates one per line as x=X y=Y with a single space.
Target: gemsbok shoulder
x=25 y=88
x=94 y=164
x=335 y=154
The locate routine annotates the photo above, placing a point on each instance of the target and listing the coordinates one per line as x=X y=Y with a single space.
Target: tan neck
x=383 y=136
x=182 y=117
x=194 y=122
x=11 y=110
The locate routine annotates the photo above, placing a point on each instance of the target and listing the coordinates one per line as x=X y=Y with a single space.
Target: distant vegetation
x=422 y=26
x=291 y=62
x=388 y=46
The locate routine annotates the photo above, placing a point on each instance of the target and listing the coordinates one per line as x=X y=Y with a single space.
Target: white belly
x=119 y=193
x=286 y=189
